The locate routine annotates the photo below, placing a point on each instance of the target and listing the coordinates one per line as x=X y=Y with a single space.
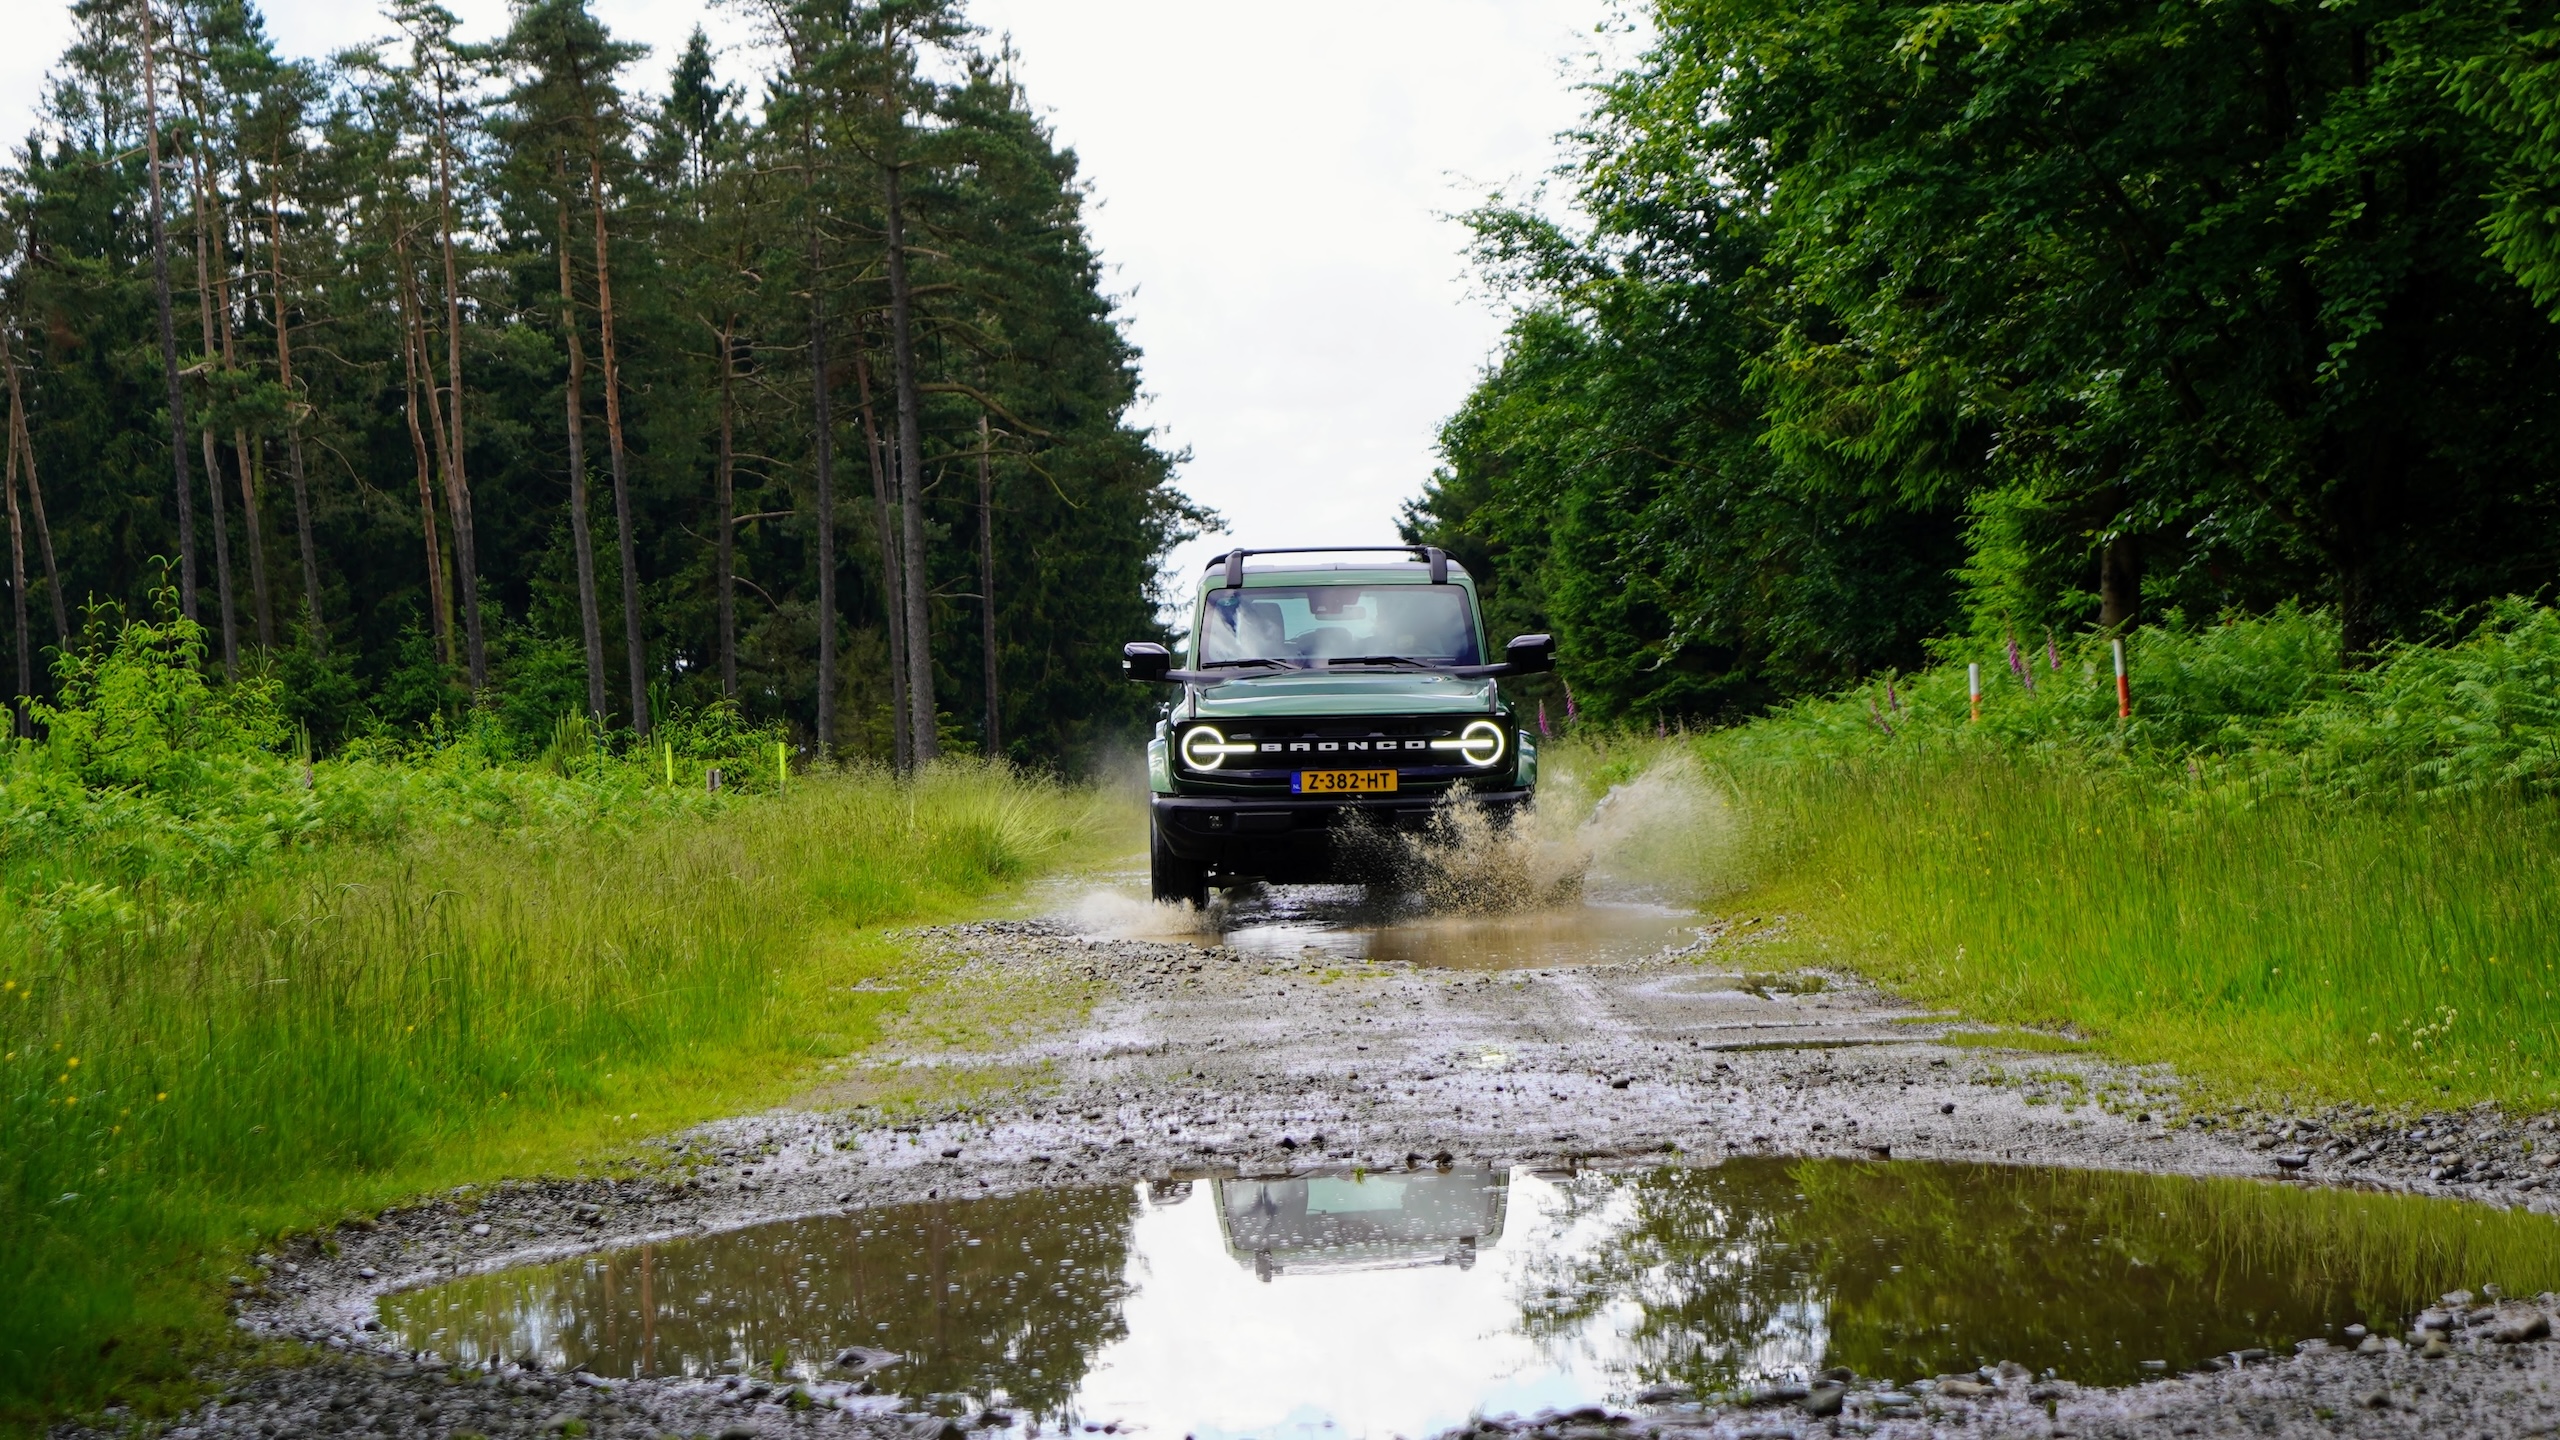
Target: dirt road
x=1124 y=1060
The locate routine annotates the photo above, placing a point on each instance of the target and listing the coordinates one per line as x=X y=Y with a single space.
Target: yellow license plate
x=1345 y=782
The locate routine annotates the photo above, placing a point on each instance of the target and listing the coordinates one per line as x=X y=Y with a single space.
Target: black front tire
x=1173 y=877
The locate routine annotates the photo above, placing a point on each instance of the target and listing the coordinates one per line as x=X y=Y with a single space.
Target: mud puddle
x=1352 y=924
x=1403 y=1303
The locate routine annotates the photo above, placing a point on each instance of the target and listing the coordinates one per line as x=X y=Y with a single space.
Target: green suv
x=1321 y=690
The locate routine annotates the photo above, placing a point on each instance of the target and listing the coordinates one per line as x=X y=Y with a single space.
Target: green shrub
x=2263 y=701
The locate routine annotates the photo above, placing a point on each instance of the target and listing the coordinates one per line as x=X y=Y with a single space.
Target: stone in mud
x=1665 y=1395
x=1824 y=1401
x=2435 y=1348
x=1775 y=1395
x=1964 y=1389
x=2514 y=1327
x=937 y=1427
x=2294 y=1161
x=863 y=1360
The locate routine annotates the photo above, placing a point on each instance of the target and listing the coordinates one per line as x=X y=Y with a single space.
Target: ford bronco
x=1321 y=690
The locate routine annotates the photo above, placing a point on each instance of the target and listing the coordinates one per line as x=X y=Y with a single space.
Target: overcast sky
x=1270 y=186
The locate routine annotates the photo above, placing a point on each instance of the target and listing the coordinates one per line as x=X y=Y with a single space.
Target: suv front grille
x=1285 y=746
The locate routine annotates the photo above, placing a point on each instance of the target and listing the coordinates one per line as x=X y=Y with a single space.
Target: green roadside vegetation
x=2290 y=879
x=243 y=993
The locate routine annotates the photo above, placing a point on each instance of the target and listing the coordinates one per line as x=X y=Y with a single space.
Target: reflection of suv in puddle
x=1318 y=1223
x=1320 y=691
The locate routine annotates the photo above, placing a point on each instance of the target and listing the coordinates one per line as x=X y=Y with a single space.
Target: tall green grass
x=2284 y=875
x=241 y=992
x=2387 y=952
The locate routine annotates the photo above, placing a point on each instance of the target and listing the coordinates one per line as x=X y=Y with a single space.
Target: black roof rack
x=1431 y=555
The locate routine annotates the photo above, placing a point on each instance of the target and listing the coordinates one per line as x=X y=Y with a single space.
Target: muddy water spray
x=1662 y=832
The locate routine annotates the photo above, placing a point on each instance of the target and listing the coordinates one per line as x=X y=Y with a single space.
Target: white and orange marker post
x=1973 y=684
x=2124 y=686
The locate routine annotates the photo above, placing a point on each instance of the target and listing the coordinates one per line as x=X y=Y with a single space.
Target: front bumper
x=1290 y=839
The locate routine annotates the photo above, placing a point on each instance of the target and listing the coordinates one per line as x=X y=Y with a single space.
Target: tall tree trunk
x=824 y=452
x=253 y=466
x=315 y=632
x=35 y=496
x=902 y=357
x=590 y=622
x=466 y=548
x=437 y=612
x=18 y=594
x=253 y=472
x=725 y=482
x=168 y=328
x=994 y=731
x=208 y=301
x=892 y=587
x=634 y=647
x=456 y=651
x=2119 y=582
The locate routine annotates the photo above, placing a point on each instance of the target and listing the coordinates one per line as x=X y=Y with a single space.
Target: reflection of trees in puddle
x=1011 y=1295
x=1759 y=1268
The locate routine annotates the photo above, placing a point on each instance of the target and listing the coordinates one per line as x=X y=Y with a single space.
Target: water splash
x=1123 y=916
x=1659 y=831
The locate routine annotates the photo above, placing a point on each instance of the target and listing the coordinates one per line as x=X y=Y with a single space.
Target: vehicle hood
x=1375 y=693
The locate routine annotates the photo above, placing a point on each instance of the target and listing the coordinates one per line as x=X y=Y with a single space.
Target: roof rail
x=1431 y=555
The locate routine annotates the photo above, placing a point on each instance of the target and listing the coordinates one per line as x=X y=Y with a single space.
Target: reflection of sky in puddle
x=1344 y=922
x=1228 y=1308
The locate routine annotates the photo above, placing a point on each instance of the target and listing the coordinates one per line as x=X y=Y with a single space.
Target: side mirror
x=1144 y=660
x=1530 y=654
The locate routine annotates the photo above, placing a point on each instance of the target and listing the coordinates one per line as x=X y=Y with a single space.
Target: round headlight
x=1203 y=747
x=1482 y=742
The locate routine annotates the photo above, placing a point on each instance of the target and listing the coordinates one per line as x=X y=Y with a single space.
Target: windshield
x=1304 y=624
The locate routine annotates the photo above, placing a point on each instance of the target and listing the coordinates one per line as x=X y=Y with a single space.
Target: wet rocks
x=861 y=1362
x=1960 y=1389
x=2514 y=1326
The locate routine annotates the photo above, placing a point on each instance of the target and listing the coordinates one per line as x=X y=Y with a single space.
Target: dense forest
x=450 y=384
x=1885 y=327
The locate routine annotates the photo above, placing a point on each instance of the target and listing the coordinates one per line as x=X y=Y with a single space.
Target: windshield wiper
x=1406 y=661
x=1236 y=664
